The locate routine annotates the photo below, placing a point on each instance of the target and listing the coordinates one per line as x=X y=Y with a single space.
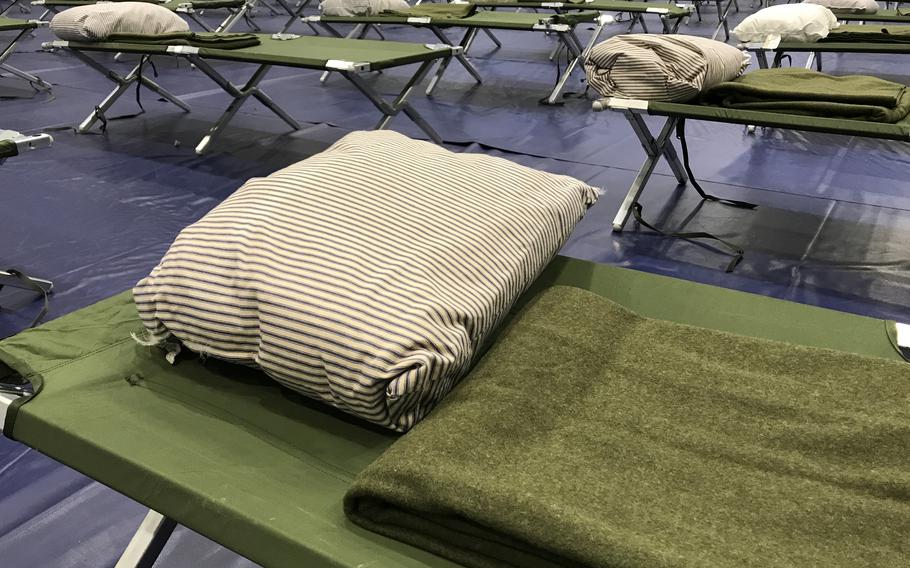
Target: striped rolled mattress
x=367 y=276
x=669 y=67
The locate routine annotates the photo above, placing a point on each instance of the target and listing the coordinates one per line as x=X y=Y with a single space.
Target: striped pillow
x=661 y=67
x=347 y=8
x=97 y=21
x=366 y=276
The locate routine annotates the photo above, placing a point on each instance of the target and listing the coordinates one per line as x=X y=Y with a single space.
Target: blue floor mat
x=97 y=211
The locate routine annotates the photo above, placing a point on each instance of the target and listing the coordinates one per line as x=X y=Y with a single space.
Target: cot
x=350 y=58
x=896 y=16
x=562 y=25
x=21 y=28
x=237 y=9
x=670 y=15
x=675 y=114
x=13 y=144
x=227 y=453
x=847 y=39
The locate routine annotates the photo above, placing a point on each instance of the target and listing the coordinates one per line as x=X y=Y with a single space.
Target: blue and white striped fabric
x=655 y=67
x=96 y=22
x=366 y=276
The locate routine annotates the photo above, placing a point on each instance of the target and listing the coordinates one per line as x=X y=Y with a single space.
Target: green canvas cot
x=671 y=15
x=233 y=456
x=867 y=39
x=898 y=16
x=350 y=58
x=561 y=25
x=658 y=145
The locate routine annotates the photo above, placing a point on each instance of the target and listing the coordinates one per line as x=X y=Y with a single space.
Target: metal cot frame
x=7 y=51
x=815 y=51
x=350 y=70
x=24 y=143
x=659 y=146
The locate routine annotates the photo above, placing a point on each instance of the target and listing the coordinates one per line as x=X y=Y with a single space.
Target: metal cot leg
x=469 y=67
x=400 y=104
x=148 y=541
x=654 y=150
x=573 y=44
x=240 y=95
x=123 y=83
x=8 y=51
x=723 y=24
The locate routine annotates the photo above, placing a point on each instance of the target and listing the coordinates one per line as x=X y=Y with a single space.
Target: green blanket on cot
x=867 y=33
x=592 y=436
x=800 y=91
x=195 y=39
x=436 y=11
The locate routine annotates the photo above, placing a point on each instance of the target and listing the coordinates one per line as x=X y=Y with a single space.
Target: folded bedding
x=847 y=6
x=671 y=67
x=96 y=22
x=868 y=34
x=368 y=276
x=800 y=91
x=592 y=436
x=348 y=8
x=213 y=40
x=436 y=11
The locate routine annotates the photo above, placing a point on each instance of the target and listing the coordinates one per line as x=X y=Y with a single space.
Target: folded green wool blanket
x=211 y=40
x=436 y=11
x=591 y=436
x=862 y=33
x=800 y=91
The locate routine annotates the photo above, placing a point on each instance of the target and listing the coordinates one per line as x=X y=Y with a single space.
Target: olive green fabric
x=435 y=11
x=484 y=19
x=308 y=52
x=8 y=149
x=216 y=40
x=12 y=24
x=670 y=10
x=801 y=91
x=896 y=131
x=868 y=34
x=232 y=455
x=591 y=436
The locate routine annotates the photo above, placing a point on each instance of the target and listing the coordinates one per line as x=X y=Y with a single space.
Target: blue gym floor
x=95 y=212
